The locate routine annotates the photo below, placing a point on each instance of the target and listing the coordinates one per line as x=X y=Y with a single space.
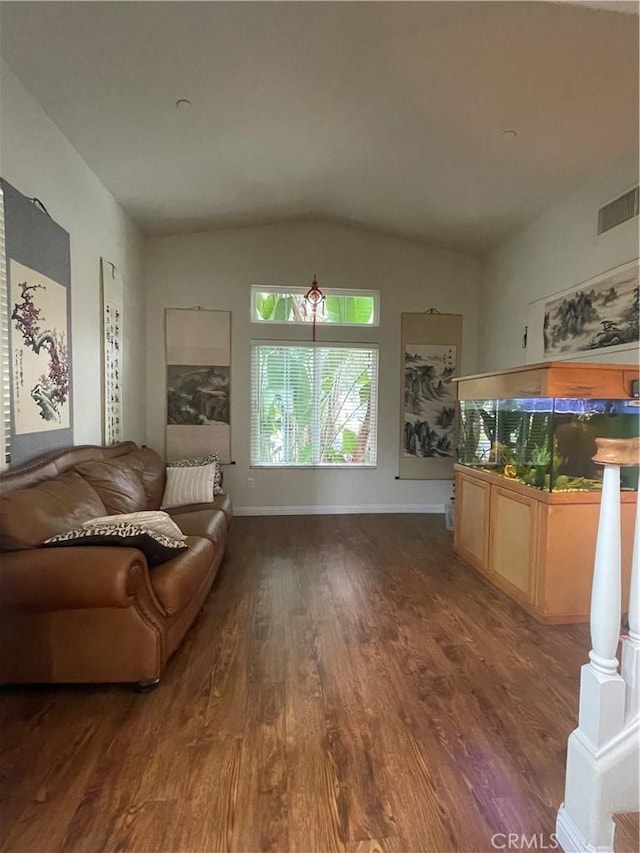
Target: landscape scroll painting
x=429 y=400
x=597 y=320
x=600 y=314
x=431 y=348
x=198 y=383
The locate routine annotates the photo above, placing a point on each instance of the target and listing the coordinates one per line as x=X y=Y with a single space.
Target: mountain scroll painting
x=431 y=353
x=198 y=349
x=602 y=313
x=429 y=400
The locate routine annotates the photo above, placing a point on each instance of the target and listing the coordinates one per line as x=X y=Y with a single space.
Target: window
x=341 y=307
x=313 y=405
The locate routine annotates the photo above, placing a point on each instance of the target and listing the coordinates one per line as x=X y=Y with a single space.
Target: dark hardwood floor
x=349 y=686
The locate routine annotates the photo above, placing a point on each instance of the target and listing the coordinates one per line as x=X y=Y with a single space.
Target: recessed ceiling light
x=509 y=135
x=183 y=103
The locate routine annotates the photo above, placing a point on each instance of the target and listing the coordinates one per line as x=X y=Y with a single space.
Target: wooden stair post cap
x=617 y=451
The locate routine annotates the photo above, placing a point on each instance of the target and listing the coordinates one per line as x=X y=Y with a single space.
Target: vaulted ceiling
x=384 y=114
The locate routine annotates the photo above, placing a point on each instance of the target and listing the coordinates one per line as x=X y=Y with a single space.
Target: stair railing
x=609 y=699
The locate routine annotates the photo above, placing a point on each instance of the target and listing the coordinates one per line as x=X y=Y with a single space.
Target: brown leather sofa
x=97 y=613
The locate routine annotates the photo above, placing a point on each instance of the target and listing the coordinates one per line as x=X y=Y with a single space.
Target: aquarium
x=545 y=443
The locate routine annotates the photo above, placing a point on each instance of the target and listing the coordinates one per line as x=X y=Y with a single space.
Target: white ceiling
x=384 y=114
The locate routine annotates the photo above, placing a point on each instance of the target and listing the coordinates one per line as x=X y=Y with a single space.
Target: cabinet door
x=470 y=535
x=513 y=542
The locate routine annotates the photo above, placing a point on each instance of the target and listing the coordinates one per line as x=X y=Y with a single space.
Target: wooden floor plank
x=627 y=833
x=349 y=686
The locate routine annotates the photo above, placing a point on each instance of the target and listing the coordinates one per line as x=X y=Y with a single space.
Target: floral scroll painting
x=40 y=352
x=38 y=346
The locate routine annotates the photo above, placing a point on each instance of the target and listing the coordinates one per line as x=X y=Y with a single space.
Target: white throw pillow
x=195 y=462
x=189 y=486
x=154 y=519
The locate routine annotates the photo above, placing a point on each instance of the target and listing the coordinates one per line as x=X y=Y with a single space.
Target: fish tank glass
x=546 y=443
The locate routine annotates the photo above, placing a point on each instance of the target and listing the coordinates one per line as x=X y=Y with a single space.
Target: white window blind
x=313 y=405
x=5 y=376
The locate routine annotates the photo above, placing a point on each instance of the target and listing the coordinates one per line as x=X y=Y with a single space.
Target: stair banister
x=631 y=647
x=602 y=753
x=602 y=689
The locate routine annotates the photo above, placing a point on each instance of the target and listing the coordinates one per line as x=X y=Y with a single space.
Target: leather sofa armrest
x=47 y=579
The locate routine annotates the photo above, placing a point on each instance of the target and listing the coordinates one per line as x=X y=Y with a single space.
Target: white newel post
x=585 y=821
x=602 y=689
x=631 y=646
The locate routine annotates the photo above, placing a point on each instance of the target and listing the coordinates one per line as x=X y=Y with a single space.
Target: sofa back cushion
x=56 y=462
x=130 y=483
x=117 y=483
x=29 y=516
x=152 y=471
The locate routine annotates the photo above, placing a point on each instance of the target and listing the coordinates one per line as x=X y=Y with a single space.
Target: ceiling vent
x=619 y=210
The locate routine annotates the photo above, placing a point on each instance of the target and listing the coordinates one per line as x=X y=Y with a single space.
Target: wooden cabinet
x=538 y=547
x=472 y=518
x=551 y=379
x=513 y=542
x=528 y=495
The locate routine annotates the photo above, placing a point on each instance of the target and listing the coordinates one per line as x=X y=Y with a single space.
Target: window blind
x=313 y=405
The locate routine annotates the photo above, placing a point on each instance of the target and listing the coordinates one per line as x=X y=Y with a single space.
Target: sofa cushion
x=29 y=516
x=209 y=523
x=220 y=502
x=150 y=467
x=117 y=482
x=156 y=547
x=177 y=582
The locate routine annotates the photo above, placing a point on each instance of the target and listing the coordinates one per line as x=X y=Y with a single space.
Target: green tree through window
x=313 y=405
x=344 y=309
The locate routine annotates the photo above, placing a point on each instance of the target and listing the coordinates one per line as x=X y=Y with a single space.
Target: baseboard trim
x=337 y=509
x=569 y=837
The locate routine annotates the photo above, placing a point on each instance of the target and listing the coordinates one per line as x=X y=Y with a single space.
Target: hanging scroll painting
x=597 y=319
x=39 y=335
x=431 y=350
x=112 y=353
x=198 y=350
x=39 y=307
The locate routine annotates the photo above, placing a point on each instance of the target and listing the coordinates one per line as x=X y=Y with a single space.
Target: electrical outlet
x=251 y=482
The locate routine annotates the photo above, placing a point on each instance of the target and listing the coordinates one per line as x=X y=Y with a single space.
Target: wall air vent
x=619 y=210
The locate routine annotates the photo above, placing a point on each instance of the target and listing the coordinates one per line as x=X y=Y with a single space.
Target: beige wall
x=39 y=161
x=558 y=250
x=216 y=269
